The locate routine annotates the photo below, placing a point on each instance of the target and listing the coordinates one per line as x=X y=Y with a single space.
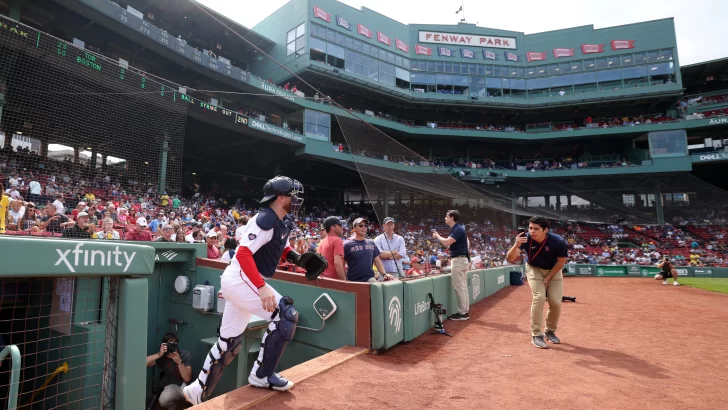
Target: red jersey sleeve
x=247 y=263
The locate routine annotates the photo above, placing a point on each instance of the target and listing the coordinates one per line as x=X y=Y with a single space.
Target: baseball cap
x=80 y=214
x=331 y=221
x=212 y=234
x=141 y=221
x=388 y=220
x=357 y=221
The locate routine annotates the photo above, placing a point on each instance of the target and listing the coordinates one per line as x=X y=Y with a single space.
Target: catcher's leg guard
x=280 y=330
x=220 y=356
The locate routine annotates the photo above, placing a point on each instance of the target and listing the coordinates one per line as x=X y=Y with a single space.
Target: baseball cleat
x=193 y=393
x=274 y=382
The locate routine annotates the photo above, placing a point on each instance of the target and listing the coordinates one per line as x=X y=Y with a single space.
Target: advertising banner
x=633 y=270
x=465 y=53
x=563 y=52
x=512 y=56
x=423 y=50
x=611 y=271
x=592 y=48
x=363 y=31
x=382 y=38
x=402 y=46
x=621 y=44
x=534 y=56
x=342 y=22
x=321 y=14
x=489 y=55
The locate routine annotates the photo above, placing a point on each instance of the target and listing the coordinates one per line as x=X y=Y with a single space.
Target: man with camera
x=667 y=269
x=176 y=369
x=547 y=254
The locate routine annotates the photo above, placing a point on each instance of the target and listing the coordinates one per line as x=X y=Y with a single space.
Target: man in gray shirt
x=391 y=249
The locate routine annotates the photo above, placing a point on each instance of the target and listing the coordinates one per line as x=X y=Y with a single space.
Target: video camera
x=440 y=312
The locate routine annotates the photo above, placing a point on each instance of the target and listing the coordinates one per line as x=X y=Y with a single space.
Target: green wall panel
x=418 y=317
x=392 y=297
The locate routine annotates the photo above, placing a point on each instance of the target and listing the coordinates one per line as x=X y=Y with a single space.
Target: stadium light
x=146 y=162
x=19 y=132
x=194 y=173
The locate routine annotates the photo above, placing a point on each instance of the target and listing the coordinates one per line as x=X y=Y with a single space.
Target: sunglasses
x=363 y=226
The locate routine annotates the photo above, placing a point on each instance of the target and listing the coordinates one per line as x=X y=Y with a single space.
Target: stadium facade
x=458 y=94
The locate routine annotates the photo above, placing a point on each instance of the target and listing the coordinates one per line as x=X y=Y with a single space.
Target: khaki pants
x=554 y=293
x=460 y=283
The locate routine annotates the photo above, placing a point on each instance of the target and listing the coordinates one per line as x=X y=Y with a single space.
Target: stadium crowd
x=64 y=199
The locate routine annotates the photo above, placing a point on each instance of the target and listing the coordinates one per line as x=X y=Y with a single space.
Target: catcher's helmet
x=281 y=185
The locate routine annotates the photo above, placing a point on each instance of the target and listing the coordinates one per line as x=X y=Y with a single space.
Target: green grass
x=712 y=284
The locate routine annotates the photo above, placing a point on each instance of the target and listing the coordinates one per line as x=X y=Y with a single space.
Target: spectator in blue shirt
x=361 y=254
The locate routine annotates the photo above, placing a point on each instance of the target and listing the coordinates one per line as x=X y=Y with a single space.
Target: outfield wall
x=643 y=271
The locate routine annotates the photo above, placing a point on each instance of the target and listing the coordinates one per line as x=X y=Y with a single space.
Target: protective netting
x=80 y=123
x=60 y=327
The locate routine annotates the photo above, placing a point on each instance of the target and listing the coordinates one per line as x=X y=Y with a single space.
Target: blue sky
x=700 y=24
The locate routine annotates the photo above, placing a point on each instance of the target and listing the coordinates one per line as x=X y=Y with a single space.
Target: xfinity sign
x=78 y=257
x=471 y=40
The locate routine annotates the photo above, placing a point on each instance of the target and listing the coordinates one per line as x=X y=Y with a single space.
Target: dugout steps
x=247 y=396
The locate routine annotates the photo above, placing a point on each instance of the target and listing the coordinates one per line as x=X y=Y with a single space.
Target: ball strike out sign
x=467 y=40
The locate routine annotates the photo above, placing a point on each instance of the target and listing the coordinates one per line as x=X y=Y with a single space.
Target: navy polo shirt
x=460 y=246
x=554 y=247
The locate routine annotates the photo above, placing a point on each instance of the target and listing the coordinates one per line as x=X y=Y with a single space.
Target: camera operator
x=177 y=370
x=547 y=254
x=667 y=269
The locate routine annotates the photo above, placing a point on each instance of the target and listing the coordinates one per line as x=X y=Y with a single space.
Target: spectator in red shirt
x=332 y=248
x=212 y=250
x=139 y=233
x=416 y=268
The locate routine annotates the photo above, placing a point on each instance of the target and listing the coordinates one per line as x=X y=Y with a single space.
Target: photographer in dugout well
x=667 y=269
x=176 y=365
x=547 y=255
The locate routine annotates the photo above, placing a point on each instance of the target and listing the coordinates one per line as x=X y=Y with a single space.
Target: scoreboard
x=160 y=36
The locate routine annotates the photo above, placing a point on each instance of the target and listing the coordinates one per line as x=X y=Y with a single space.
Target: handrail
x=62 y=368
x=14 y=353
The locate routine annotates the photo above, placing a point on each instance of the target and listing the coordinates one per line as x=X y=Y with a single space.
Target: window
x=666 y=54
x=335 y=56
x=565 y=68
x=460 y=84
x=314 y=30
x=627 y=60
x=653 y=56
x=577 y=67
x=601 y=63
x=405 y=63
x=317 y=125
x=668 y=144
x=402 y=78
x=554 y=69
x=296 y=40
x=612 y=62
x=318 y=50
x=639 y=58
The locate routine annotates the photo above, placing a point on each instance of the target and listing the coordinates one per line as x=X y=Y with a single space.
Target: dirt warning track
x=628 y=343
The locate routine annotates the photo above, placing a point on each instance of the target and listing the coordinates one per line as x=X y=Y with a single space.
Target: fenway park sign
x=467 y=39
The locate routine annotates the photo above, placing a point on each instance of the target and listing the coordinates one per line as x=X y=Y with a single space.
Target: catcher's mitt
x=314 y=264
